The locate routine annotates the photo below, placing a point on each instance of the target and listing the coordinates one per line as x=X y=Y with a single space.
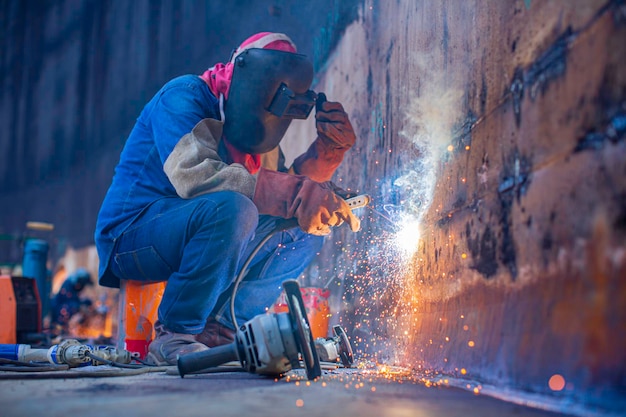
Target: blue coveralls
x=146 y=232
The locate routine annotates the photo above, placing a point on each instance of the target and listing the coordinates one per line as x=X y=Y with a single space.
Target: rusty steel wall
x=493 y=134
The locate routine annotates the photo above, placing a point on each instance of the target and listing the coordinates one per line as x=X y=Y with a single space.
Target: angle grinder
x=269 y=344
x=335 y=349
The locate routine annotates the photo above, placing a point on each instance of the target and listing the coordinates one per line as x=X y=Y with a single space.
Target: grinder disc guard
x=302 y=329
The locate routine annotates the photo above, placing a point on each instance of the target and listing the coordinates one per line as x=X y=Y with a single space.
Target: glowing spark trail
x=384 y=293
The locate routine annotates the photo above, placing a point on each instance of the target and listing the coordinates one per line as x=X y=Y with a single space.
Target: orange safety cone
x=139 y=303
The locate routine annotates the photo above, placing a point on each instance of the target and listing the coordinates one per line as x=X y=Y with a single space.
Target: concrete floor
x=337 y=393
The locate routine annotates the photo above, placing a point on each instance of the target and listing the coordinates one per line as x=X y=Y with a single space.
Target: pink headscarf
x=218 y=77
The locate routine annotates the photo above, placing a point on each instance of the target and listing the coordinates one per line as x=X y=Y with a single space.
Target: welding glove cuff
x=314 y=205
x=335 y=136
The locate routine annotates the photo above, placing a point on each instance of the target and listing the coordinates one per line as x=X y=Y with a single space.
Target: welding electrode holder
x=354 y=203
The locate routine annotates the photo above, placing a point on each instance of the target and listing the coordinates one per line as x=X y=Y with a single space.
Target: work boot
x=216 y=334
x=167 y=346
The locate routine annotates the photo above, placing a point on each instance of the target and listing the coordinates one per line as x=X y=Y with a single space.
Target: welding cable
x=141 y=361
x=78 y=373
x=10 y=365
x=12 y=369
x=114 y=364
x=280 y=226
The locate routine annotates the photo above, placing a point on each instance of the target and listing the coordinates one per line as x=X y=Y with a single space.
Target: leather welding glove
x=335 y=136
x=314 y=205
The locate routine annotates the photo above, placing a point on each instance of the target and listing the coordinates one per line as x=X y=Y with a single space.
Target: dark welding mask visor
x=289 y=105
x=269 y=88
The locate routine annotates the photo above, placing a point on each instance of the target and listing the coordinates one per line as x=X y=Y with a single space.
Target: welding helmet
x=269 y=88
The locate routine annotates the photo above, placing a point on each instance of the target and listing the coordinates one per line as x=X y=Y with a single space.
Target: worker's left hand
x=333 y=125
x=335 y=136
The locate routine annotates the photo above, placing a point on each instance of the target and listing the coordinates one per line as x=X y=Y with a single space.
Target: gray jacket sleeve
x=194 y=166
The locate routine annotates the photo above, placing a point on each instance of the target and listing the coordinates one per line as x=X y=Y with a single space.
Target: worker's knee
x=229 y=211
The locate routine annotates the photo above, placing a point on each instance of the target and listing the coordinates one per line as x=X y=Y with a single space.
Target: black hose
x=201 y=361
x=280 y=226
x=106 y=373
x=10 y=365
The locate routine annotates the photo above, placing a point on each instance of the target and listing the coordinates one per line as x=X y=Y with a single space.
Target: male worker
x=190 y=199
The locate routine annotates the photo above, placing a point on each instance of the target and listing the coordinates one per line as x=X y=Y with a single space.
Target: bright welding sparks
x=408 y=235
x=385 y=291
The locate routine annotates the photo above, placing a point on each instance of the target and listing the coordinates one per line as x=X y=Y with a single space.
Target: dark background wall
x=74 y=75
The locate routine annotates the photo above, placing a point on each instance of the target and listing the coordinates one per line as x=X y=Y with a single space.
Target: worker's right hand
x=320 y=209
x=316 y=207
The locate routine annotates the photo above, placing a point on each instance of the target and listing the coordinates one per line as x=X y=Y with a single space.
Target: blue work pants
x=198 y=246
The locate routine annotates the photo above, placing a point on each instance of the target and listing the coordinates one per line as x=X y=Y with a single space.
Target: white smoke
x=429 y=121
